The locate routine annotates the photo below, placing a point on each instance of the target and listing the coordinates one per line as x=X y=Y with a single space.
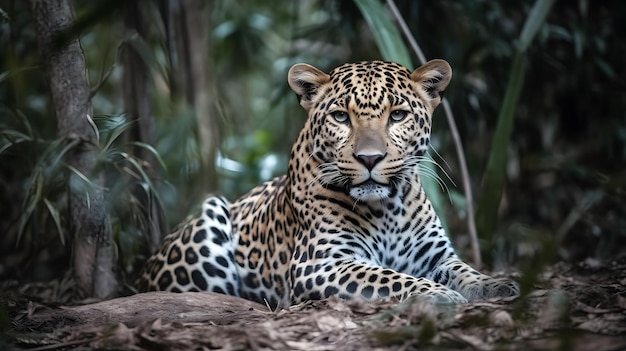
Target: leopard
x=349 y=219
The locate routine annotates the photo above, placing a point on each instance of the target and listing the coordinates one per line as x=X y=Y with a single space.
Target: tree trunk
x=187 y=33
x=137 y=105
x=198 y=11
x=89 y=224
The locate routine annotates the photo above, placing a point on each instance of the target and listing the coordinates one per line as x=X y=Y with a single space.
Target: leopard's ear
x=433 y=77
x=305 y=81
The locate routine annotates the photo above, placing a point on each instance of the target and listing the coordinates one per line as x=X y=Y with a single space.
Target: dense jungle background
x=190 y=97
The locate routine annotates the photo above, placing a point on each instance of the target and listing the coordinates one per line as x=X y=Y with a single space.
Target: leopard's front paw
x=501 y=287
x=439 y=295
x=489 y=288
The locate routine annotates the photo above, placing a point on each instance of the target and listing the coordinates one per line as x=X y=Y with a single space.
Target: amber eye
x=340 y=116
x=398 y=115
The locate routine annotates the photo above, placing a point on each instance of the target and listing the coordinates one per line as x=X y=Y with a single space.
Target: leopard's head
x=369 y=124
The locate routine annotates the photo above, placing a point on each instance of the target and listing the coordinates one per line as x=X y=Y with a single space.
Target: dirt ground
x=568 y=307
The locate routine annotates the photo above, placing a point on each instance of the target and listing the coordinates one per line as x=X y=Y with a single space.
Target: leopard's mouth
x=369 y=183
x=369 y=190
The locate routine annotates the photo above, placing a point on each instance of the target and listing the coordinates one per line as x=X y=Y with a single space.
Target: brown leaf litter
x=569 y=307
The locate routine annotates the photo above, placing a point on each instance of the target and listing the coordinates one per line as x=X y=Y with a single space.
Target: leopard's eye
x=398 y=115
x=340 y=116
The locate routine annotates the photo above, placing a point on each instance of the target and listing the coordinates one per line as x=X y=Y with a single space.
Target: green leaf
x=33 y=197
x=115 y=133
x=54 y=212
x=14 y=137
x=22 y=117
x=60 y=154
x=487 y=212
x=536 y=19
x=86 y=179
x=386 y=34
x=151 y=191
x=152 y=150
x=12 y=134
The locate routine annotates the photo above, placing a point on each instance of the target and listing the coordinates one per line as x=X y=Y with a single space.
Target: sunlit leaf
x=224 y=29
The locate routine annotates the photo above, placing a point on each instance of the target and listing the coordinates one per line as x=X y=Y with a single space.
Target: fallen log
x=137 y=309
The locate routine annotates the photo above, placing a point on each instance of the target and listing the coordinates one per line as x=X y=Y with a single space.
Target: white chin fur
x=370 y=192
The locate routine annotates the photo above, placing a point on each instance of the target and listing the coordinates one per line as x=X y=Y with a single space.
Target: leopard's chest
x=387 y=234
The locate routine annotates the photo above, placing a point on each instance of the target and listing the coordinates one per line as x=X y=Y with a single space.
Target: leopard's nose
x=369 y=160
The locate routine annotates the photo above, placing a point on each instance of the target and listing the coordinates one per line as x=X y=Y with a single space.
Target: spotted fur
x=349 y=219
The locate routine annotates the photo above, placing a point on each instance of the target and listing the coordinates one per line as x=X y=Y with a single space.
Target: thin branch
x=406 y=31
x=471 y=225
x=467 y=186
x=104 y=76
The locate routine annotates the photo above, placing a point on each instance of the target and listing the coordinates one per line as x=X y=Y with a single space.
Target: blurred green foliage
x=565 y=174
x=494 y=175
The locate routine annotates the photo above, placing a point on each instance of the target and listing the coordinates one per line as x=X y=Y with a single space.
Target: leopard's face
x=369 y=123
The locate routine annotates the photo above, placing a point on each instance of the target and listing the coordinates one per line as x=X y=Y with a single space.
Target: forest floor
x=568 y=307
